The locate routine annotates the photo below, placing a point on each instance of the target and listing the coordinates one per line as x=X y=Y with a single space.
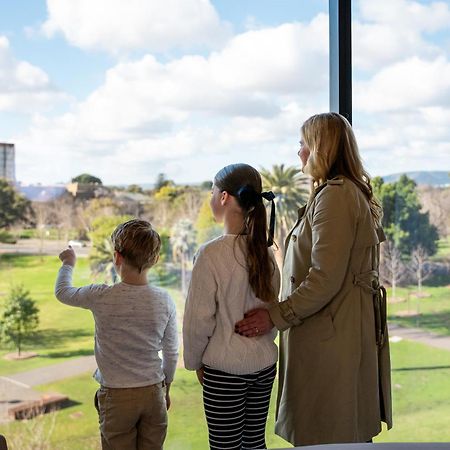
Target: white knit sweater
x=219 y=295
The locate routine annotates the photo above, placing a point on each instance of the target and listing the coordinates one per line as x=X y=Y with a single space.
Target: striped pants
x=236 y=408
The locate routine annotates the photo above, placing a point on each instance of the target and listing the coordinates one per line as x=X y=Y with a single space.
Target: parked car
x=76 y=243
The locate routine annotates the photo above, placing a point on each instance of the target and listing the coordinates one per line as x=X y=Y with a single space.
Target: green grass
x=421 y=392
x=443 y=251
x=420 y=384
x=63 y=332
x=77 y=426
x=431 y=311
x=421 y=375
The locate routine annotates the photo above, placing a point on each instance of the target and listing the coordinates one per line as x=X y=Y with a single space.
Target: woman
x=334 y=356
x=232 y=274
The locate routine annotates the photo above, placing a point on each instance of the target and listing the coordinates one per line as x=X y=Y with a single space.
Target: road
x=36 y=247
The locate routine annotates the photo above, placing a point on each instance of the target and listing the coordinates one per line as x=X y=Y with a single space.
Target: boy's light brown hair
x=138 y=243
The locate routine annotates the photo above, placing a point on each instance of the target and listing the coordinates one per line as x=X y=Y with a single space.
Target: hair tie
x=248 y=196
x=270 y=196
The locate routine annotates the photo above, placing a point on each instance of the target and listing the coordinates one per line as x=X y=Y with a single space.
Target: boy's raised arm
x=64 y=291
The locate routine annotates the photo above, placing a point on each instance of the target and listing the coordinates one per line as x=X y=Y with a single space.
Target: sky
x=128 y=90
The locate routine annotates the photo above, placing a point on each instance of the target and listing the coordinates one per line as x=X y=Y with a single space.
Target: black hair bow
x=270 y=196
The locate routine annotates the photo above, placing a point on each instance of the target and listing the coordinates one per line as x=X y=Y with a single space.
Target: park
x=59 y=346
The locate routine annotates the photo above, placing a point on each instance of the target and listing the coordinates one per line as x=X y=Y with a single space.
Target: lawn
x=421 y=397
x=64 y=332
x=421 y=375
x=429 y=310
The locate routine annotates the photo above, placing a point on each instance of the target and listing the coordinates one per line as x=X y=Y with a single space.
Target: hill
x=432 y=177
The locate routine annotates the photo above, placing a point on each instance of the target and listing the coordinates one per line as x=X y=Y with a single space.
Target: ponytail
x=244 y=183
x=260 y=266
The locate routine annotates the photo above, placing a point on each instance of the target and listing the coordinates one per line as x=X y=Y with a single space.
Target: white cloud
x=117 y=26
x=24 y=87
x=245 y=102
x=407 y=84
x=386 y=31
x=248 y=97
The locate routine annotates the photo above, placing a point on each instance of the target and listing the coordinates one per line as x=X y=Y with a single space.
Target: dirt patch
x=406 y=313
x=23 y=355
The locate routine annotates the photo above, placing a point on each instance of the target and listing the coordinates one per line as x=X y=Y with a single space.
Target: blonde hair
x=333 y=152
x=138 y=243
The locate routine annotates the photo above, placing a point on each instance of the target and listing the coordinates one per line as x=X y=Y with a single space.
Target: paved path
x=36 y=247
x=55 y=372
x=419 y=335
x=17 y=388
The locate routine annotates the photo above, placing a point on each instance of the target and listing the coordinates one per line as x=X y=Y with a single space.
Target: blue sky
x=125 y=90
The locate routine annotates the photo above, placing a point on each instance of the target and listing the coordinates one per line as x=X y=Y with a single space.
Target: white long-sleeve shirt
x=219 y=296
x=132 y=325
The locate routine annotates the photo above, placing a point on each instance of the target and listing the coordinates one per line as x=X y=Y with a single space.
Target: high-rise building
x=7 y=161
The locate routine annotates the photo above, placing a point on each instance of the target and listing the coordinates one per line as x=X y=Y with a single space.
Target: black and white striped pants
x=236 y=408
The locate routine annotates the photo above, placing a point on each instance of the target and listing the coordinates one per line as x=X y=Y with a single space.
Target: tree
x=14 y=207
x=291 y=189
x=182 y=240
x=101 y=256
x=86 y=178
x=403 y=221
x=420 y=266
x=162 y=181
x=20 y=316
x=207 y=228
x=392 y=268
x=135 y=189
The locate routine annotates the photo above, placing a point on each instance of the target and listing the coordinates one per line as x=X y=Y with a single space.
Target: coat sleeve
x=199 y=319
x=333 y=234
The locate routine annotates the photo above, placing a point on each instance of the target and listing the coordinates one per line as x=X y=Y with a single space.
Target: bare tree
x=392 y=268
x=419 y=266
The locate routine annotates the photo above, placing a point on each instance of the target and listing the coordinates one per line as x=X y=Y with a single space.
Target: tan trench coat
x=334 y=382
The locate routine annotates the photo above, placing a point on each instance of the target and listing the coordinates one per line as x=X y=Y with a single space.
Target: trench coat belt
x=369 y=281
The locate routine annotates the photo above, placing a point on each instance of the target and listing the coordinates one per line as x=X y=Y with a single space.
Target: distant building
x=7 y=161
x=86 y=191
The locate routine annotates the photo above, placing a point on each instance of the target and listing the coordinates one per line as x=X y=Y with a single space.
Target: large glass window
x=401 y=117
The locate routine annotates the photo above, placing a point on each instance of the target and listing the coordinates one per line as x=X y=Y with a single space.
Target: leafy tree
x=403 y=221
x=101 y=256
x=20 y=317
x=162 y=181
x=207 y=228
x=135 y=189
x=291 y=189
x=86 y=178
x=14 y=207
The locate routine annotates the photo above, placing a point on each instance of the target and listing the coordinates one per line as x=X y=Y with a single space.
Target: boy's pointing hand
x=68 y=256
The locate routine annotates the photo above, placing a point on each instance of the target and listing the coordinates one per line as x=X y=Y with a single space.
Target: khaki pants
x=132 y=418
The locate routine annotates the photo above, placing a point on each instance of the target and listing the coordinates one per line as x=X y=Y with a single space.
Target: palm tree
x=183 y=241
x=291 y=189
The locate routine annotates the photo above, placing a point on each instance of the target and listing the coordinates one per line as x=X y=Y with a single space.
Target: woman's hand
x=200 y=372
x=255 y=323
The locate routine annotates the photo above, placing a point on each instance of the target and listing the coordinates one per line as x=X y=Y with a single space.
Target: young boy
x=133 y=322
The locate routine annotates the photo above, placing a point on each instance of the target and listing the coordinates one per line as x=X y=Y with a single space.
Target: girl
x=233 y=274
